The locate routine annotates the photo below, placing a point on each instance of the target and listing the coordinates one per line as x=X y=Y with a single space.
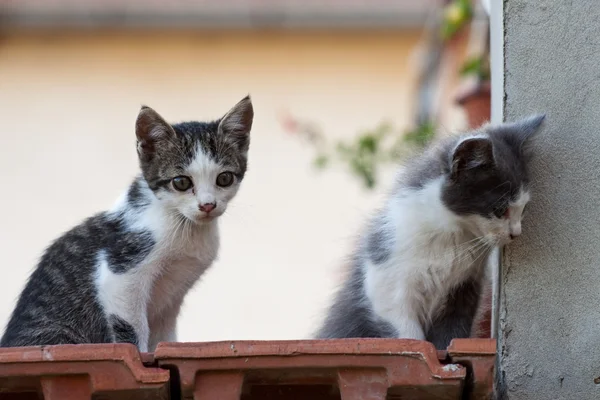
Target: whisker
x=468 y=248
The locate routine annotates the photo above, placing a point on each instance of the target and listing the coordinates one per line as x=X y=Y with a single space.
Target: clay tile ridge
x=124 y=353
x=420 y=350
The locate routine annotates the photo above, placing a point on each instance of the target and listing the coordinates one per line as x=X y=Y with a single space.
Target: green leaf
x=368 y=143
x=422 y=135
x=478 y=66
x=365 y=171
x=456 y=15
x=321 y=161
x=366 y=153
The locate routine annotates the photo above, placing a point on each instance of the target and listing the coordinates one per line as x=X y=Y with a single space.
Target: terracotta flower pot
x=476 y=100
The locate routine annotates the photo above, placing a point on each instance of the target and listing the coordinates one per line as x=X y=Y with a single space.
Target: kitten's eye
x=225 y=179
x=501 y=212
x=182 y=183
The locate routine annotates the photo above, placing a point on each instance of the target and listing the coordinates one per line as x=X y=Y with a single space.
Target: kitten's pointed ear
x=150 y=129
x=518 y=133
x=526 y=127
x=472 y=153
x=237 y=123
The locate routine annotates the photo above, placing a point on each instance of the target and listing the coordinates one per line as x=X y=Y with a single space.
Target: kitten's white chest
x=450 y=260
x=171 y=285
x=179 y=267
x=431 y=254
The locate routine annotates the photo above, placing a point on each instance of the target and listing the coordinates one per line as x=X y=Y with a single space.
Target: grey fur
x=350 y=315
x=59 y=304
x=164 y=149
x=455 y=320
x=481 y=176
x=122 y=330
x=380 y=240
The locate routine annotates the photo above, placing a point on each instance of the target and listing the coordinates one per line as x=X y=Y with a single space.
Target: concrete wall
x=69 y=102
x=549 y=316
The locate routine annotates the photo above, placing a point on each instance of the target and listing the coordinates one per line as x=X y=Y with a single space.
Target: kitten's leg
x=408 y=328
x=124 y=298
x=456 y=319
x=143 y=331
x=163 y=329
x=125 y=332
x=136 y=313
x=130 y=325
x=393 y=301
x=171 y=335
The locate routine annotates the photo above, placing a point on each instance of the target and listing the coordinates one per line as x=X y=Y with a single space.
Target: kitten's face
x=200 y=189
x=487 y=181
x=504 y=224
x=195 y=168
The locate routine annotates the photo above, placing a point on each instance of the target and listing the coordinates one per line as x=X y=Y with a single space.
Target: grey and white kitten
x=419 y=269
x=121 y=275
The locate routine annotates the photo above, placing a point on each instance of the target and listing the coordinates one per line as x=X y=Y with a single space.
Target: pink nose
x=207 y=207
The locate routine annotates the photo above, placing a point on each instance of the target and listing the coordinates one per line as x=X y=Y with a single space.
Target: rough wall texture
x=549 y=316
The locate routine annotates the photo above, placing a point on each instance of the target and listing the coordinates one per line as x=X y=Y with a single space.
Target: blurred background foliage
x=366 y=152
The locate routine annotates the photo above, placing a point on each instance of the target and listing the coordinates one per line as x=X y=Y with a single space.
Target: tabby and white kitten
x=419 y=269
x=121 y=275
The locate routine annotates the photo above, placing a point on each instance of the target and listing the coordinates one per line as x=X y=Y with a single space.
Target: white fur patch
x=123 y=295
x=516 y=213
x=433 y=252
x=149 y=295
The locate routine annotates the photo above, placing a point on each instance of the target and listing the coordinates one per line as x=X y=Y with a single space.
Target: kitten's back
x=59 y=303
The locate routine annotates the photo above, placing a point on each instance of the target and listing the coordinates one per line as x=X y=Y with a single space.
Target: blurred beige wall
x=69 y=102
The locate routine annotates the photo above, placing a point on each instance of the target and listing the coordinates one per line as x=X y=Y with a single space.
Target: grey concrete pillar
x=549 y=314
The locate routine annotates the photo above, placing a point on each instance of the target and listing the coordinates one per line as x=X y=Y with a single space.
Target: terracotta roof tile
x=347 y=369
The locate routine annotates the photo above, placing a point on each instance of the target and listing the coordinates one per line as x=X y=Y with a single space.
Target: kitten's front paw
x=414 y=337
x=409 y=329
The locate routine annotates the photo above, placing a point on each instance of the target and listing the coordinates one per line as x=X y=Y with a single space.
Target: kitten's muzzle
x=515 y=231
x=207 y=207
